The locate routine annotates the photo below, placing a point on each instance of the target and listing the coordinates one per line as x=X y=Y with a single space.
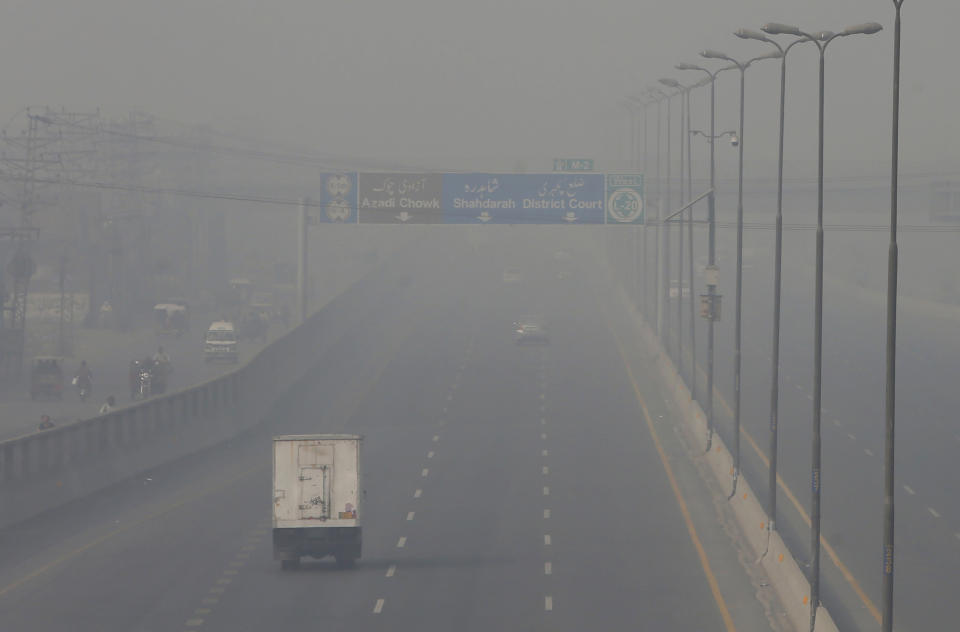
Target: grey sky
x=440 y=80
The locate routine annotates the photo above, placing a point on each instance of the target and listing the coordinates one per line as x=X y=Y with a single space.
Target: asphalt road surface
x=507 y=488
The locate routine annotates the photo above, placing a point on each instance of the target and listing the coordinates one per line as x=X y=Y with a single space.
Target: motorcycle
x=84 y=387
x=145 y=383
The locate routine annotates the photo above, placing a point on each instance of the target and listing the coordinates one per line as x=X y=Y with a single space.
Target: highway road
x=507 y=488
x=928 y=439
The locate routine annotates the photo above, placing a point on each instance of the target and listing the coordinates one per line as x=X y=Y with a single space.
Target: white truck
x=316 y=498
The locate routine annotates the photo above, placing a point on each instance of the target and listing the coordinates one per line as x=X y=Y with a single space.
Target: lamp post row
x=821 y=40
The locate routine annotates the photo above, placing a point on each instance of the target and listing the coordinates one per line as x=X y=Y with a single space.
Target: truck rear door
x=315 y=466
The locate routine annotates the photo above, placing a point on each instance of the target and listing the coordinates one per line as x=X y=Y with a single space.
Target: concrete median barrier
x=766 y=546
x=45 y=469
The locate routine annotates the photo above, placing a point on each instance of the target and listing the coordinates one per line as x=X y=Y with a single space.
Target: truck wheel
x=290 y=565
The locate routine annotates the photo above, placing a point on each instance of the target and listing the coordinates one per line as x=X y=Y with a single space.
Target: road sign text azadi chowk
x=483 y=198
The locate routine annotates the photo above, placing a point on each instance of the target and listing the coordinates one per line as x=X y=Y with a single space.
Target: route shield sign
x=400 y=198
x=338 y=199
x=498 y=198
x=625 y=198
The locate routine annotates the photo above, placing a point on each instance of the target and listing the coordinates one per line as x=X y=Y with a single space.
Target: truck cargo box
x=316 y=498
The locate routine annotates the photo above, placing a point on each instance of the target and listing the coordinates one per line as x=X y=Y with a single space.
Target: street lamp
x=666 y=226
x=777 y=277
x=712 y=241
x=659 y=96
x=742 y=67
x=891 y=379
x=822 y=40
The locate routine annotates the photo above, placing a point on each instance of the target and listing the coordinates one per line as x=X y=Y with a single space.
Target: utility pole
x=302 y=268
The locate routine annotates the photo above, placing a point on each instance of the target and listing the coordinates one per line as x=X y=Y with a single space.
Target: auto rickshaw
x=46 y=378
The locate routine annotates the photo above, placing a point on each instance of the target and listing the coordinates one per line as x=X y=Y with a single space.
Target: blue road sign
x=497 y=198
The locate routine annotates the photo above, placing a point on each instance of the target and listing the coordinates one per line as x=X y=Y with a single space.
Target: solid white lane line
x=909 y=490
x=546 y=490
x=868 y=451
x=547 y=568
x=546 y=514
x=547 y=541
x=546 y=470
x=430 y=454
x=933 y=512
x=378 y=608
x=391 y=570
x=425 y=472
x=402 y=542
x=548 y=603
x=410 y=516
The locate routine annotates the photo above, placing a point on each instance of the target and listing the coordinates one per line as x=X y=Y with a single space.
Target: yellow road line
x=691 y=529
x=831 y=552
x=66 y=557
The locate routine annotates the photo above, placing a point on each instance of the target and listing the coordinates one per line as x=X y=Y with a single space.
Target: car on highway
x=220 y=342
x=511 y=275
x=530 y=330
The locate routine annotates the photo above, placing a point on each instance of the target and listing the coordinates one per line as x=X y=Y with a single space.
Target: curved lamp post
x=742 y=67
x=822 y=40
x=777 y=277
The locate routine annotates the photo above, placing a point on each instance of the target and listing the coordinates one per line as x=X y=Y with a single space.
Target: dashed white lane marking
x=391 y=570
x=202 y=611
x=444 y=410
x=546 y=470
x=543 y=421
x=852 y=438
x=543 y=407
x=546 y=514
x=425 y=472
x=542 y=396
x=230 y=571
x=810 y=397
x=436 y=438
x=868 y=451
x=909 y=490
x=194 y=623
x=933 y=512
x=547 y=568
x=544 y=452
x=543 y=435
x=548 y=603
x=410 y=516
x=546 y=490
x=402 y=542
x=430 y=454
x=799 y=388
x=418 y=493
x=547 y=541
x=836 y=422
x=449 y=396
x=378 y=607
x=957 y=535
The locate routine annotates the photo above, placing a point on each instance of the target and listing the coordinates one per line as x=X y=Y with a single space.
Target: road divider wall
x=45 y=469
x=766 y=546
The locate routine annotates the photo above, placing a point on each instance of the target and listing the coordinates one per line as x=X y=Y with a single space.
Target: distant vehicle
x=46 y=378
x=171 y=318
x=511 y=275
x=316 y=498
x=220 y=342
x=530 y=330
